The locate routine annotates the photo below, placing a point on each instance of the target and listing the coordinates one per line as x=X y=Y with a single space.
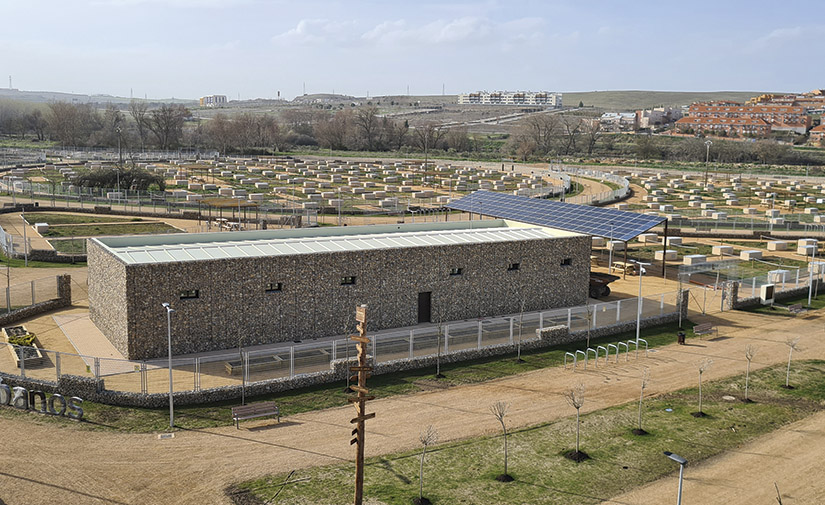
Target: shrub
x=24 y=340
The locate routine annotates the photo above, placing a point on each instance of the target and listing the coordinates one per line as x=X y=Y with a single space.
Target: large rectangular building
x=273 y=286
x=539 y=98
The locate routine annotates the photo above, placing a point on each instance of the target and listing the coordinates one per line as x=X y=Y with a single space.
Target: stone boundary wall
x=94 y=389
x=64 y=299
x=732 y=301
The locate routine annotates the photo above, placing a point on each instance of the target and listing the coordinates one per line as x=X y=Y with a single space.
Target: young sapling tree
x=499 y=410
x=575 y=398
x=427 y=437
x=750 y=353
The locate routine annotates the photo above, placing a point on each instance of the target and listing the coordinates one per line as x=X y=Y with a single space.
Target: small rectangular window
x=187 y=294
x=513 y=266
x=566 y=262
x=274 y=287
x=456 y=271
x=348 y=281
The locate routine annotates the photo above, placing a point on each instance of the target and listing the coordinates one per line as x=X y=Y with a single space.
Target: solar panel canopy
x=596 y=221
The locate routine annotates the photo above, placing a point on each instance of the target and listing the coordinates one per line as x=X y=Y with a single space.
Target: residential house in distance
x=817 y=135
x=213 y=101
x=619 y=122
x=740 y=119
x=657 y=116
x=537 y=98
x=813 y=101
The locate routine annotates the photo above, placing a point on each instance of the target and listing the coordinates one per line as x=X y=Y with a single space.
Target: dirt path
x=791 y=457
x=48 y=463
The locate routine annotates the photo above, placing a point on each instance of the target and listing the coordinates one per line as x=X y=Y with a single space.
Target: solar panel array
x=596 y=221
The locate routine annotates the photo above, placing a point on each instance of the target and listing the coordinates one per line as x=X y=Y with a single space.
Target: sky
x=256 y=48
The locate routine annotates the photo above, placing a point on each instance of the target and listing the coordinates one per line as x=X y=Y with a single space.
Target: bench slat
x=254 y=410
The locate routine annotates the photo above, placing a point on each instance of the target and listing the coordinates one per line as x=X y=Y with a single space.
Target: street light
x=169 y=311
x=610 y=251
x=708 y=143
x=639 y=303
x=682 y=462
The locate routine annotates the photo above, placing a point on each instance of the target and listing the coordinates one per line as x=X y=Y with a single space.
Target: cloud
x=317 y=32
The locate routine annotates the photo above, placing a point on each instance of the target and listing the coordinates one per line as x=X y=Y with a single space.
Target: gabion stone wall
x=233 y=303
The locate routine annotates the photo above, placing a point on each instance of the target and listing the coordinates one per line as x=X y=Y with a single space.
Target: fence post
x=334 y=349
x=97 y=368
x=8 y=299
x=511 y=331
x=291 y=361
x=412 y=338
x=446 y=339
x=753 y=284
x=479 y=335
x=797 y=277
x=57 y=365
x=32 y=283
x=595 y=315
x=144 y=385
x=374 y=351
x=541 y=320
x=22 y=359
x=662 y=305
x=618 y=310
x=197 y=374
x=569 y=318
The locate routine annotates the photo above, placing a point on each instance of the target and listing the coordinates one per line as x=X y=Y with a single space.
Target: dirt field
x=48 y=463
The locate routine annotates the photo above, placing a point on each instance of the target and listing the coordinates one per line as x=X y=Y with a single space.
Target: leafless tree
x=368 y=124
x=428 y=135
x=166 y=123
x=703 y=366
x=395 y=132
x=571 y=127
x=575 y=398
x=645 y=379
x=750 y=353
x=793 y=345
x=457 y=139
x=591 y=129
x=427 y=437
x=499 y=411
x=539 y=131
x=221 y=133
x=335 y=132
x=139 y=111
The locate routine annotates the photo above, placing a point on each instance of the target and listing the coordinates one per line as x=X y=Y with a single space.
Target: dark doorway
x=425 y=307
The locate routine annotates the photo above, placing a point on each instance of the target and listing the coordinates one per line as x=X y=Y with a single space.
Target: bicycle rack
x=572 y=356
x=626 y=351
x=606 y=353
x=613 y=346
x=587 y=354
x=585 y=357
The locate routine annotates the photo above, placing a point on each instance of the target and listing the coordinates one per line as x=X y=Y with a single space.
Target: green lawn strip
x=58 y=219
x=69 y=246
x=101 y=416
x=108 y=229
x=817 y=302
x=464 y=471
x=21 y=263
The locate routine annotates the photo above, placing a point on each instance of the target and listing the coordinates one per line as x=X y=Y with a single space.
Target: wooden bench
x=797 y=309
x=704 y=329
x=253 y=410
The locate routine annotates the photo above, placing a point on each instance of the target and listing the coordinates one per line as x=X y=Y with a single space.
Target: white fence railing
x=248 y=366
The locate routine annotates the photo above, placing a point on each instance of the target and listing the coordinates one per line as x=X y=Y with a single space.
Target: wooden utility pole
x=362 y=372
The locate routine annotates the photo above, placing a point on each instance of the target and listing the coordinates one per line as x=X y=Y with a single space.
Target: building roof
x=819 y=129
x=134 y=250
x=735 y=121
x=596 y=221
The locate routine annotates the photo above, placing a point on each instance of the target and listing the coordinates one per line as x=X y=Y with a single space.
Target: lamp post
x=708 y=143
x=169 y=311
x=682 y=462
x=811 y=275
x=120 y=161
x=639 y=303
x=610 y=251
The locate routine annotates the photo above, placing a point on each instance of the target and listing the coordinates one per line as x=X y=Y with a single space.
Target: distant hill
x=639 y=99
x=56 y=96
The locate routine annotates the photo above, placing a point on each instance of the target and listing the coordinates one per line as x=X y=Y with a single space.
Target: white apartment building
x=213 y=101
x=542 y=98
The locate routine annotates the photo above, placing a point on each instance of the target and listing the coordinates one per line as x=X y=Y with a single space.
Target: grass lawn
x=93 y=230
x=21 y=263
x=100 y=416
x=465 y=471
x=817 y=302
x=69 y=246
x=58 y=219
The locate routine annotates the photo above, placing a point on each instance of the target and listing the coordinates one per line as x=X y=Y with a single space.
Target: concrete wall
x=233 y=304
